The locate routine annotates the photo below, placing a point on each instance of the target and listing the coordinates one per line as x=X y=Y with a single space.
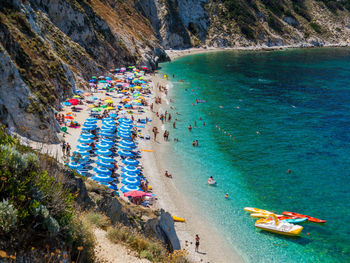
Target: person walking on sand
x=155 y=132
x=64 y=148
x=197 y=243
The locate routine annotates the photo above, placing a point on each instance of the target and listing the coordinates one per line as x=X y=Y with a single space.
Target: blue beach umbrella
x=124 y=126
x=90 y=128
x=125 y=148
x=124 y=136
x=108 y=126
x=81 y=152
x=128 y=188
x=102 y=178
x=104 y=146
x=130 y=181
x=105 y=165
x=102 y=170
x=125 y=153
x=107 y=141
x=74 y=165
x=113 y=115
x=124 y=130
x=105 y=159
x=107 y=131
x=129 y=174
x=85 y=140
x=84 y=147
x=107 y=119
x=104 y=152
x=66 y=103
x=106 y=134
x=91 y=119
x=125 y=121
x=131 y=169
x=87 y=135
x=128 y=143
x=87 y=124
x=130 y=162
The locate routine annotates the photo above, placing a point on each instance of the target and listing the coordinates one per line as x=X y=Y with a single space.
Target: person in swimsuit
x=197 y=243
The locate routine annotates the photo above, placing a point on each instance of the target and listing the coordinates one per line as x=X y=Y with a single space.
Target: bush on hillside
x=34 y=205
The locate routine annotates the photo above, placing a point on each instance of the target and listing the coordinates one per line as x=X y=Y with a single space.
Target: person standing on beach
x=64 y=148
x=197 y=243
x=68 y=149
x=155 y=132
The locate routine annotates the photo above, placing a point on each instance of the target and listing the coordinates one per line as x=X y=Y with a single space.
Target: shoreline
x=213 y=247
x=178 y=53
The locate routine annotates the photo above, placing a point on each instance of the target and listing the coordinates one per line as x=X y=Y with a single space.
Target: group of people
x=66 y=148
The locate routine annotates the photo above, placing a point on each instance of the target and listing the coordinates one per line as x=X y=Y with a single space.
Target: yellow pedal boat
x=272 y=224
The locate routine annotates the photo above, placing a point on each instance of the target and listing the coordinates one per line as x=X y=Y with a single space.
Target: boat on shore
x=294 y=220
x=257 y=210
x=311 y=219
x=272 y=224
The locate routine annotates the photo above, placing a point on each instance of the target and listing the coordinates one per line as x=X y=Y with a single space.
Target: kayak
x=264 y=215
x=311 y=219
x=295 y=220
x=256 y=210
x=272 y=224
x=178 y=219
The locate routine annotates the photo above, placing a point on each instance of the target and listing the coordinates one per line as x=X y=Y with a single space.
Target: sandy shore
x=175 y=54
x=212 y=246
x=169 y=196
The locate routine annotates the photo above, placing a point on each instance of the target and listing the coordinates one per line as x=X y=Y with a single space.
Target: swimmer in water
x=226 y=195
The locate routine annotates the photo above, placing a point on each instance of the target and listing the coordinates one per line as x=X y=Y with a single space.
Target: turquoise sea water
x=286 y=110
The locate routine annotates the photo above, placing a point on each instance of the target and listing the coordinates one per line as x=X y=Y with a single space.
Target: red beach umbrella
x=73 y=101
x=68 y=117
x=135 y=194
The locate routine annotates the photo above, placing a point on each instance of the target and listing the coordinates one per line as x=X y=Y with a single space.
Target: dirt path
x=108 y=252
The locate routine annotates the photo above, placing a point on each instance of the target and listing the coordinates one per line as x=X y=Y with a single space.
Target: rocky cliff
x=50 y=47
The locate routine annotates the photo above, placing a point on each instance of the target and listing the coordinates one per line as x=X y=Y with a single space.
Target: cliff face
x=241 y=23
x=48 y=48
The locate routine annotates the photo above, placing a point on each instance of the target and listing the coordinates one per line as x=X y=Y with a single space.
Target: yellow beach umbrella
x=107 y=98
x=91 y=106
x=76 y=96
x=126 y=99
x=137 y=87
x=137 y=101
x=109 y=101
x=110 y=108
x=141 y=97
x=124 y=90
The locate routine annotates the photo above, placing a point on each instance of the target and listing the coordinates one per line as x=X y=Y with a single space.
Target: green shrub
x=8 y=216
x=316 y=27
x=98 y=219
x=146 y=248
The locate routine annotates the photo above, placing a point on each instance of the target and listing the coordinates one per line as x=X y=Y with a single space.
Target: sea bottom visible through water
x=258 y=115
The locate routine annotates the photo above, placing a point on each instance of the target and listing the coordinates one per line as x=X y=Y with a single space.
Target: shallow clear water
x=286 y=110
